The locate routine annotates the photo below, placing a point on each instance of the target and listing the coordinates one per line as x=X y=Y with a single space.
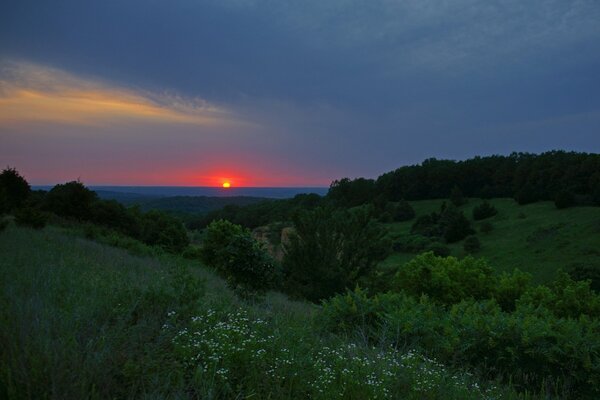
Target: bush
x=217 y=236
x=72 y=200
x=330 y=251
x=249 y=270
x=160 y=229
x=529 y=347
x=14 y=190
x=483 y=211
x=439 y=249
x=238 y=257
x=456 y=197
x=510 y=288
x=586 y=271
x=412 y=243
x=486 y=227
x=564 y=297
x=402 y=211
x=445 y=280
x=472 y=244
x=455 y=225
x=564 y=199
x=31 y=217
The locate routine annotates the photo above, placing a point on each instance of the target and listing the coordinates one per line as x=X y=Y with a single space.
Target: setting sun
x=226 y=184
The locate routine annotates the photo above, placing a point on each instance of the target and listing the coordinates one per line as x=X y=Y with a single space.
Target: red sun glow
x=226 y=184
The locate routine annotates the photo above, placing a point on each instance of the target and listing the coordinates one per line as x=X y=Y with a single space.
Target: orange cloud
x=31 y=93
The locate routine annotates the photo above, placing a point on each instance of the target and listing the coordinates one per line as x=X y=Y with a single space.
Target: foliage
x=530 y=347
x=456 y=197
x=450 y=224
x=83 y=320
x=564 y=199
x=586 y=271
x=564 y=297
x=447 y=280
x=402 y=211
x=71 y=199
x=160 y=229
x=351 y=193
x=330 y=251
x=483 y=211
x=31 y=217
x=14 y=190
x=524 y=176
x=472 y=244
x=239 y=258
x=217 y=237
x=510 y=287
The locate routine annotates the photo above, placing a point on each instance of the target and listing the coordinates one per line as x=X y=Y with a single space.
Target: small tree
x=330 y=251
x=483 y=211
x=472 y=244
x=456 y=197
x=71 y=199
x=31 y=217
x=14 y=190
x=403 y=211
x=240 y=259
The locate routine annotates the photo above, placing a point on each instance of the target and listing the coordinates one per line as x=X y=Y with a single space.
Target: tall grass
x=82 y=320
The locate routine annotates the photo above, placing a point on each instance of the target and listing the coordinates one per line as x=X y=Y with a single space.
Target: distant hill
x=180 y=204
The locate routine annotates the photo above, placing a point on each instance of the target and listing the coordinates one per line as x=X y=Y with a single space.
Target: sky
x=289 y=93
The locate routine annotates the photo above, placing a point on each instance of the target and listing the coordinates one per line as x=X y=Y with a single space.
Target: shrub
x=412 y=243
x=510 y=288
x=472 y=244
x=249 y=269
x=71 y=199
x=445 y=280
x=486 y=227
x=217 y=236
x=586 y=271
x=564 y=199
x=238 y=257
x=31 y=217
x=439 y=249
x=402 y=211
x=456 y=197
x=330 y=251
x=564 y=297
x=455 y=225
x=14 y=190
x=483 y=211
x=160 y=229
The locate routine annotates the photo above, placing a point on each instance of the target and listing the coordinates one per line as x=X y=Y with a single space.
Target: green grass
x=536 y=238
x=83 y=320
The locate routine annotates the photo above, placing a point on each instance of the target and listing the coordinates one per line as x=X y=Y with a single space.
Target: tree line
x=72 y=201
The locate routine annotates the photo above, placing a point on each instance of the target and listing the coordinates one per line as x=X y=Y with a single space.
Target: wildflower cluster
x=233 y=353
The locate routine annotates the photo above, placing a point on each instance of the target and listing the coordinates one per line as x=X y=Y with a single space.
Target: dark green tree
x=483 y=211
x=331 y=250
x=72 y=200
x=14 y=190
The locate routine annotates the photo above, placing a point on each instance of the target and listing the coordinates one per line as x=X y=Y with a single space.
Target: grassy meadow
x=536 y=238
x=84 y=320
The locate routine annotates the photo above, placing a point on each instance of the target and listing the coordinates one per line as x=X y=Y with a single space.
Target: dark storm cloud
x=356 y=87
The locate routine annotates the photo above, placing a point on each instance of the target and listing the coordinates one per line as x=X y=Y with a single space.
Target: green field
x=84 y=320
x=537 y=238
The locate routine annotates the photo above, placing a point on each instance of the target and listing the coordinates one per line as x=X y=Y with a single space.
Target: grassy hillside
x=537 y=238
x=83 y=320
